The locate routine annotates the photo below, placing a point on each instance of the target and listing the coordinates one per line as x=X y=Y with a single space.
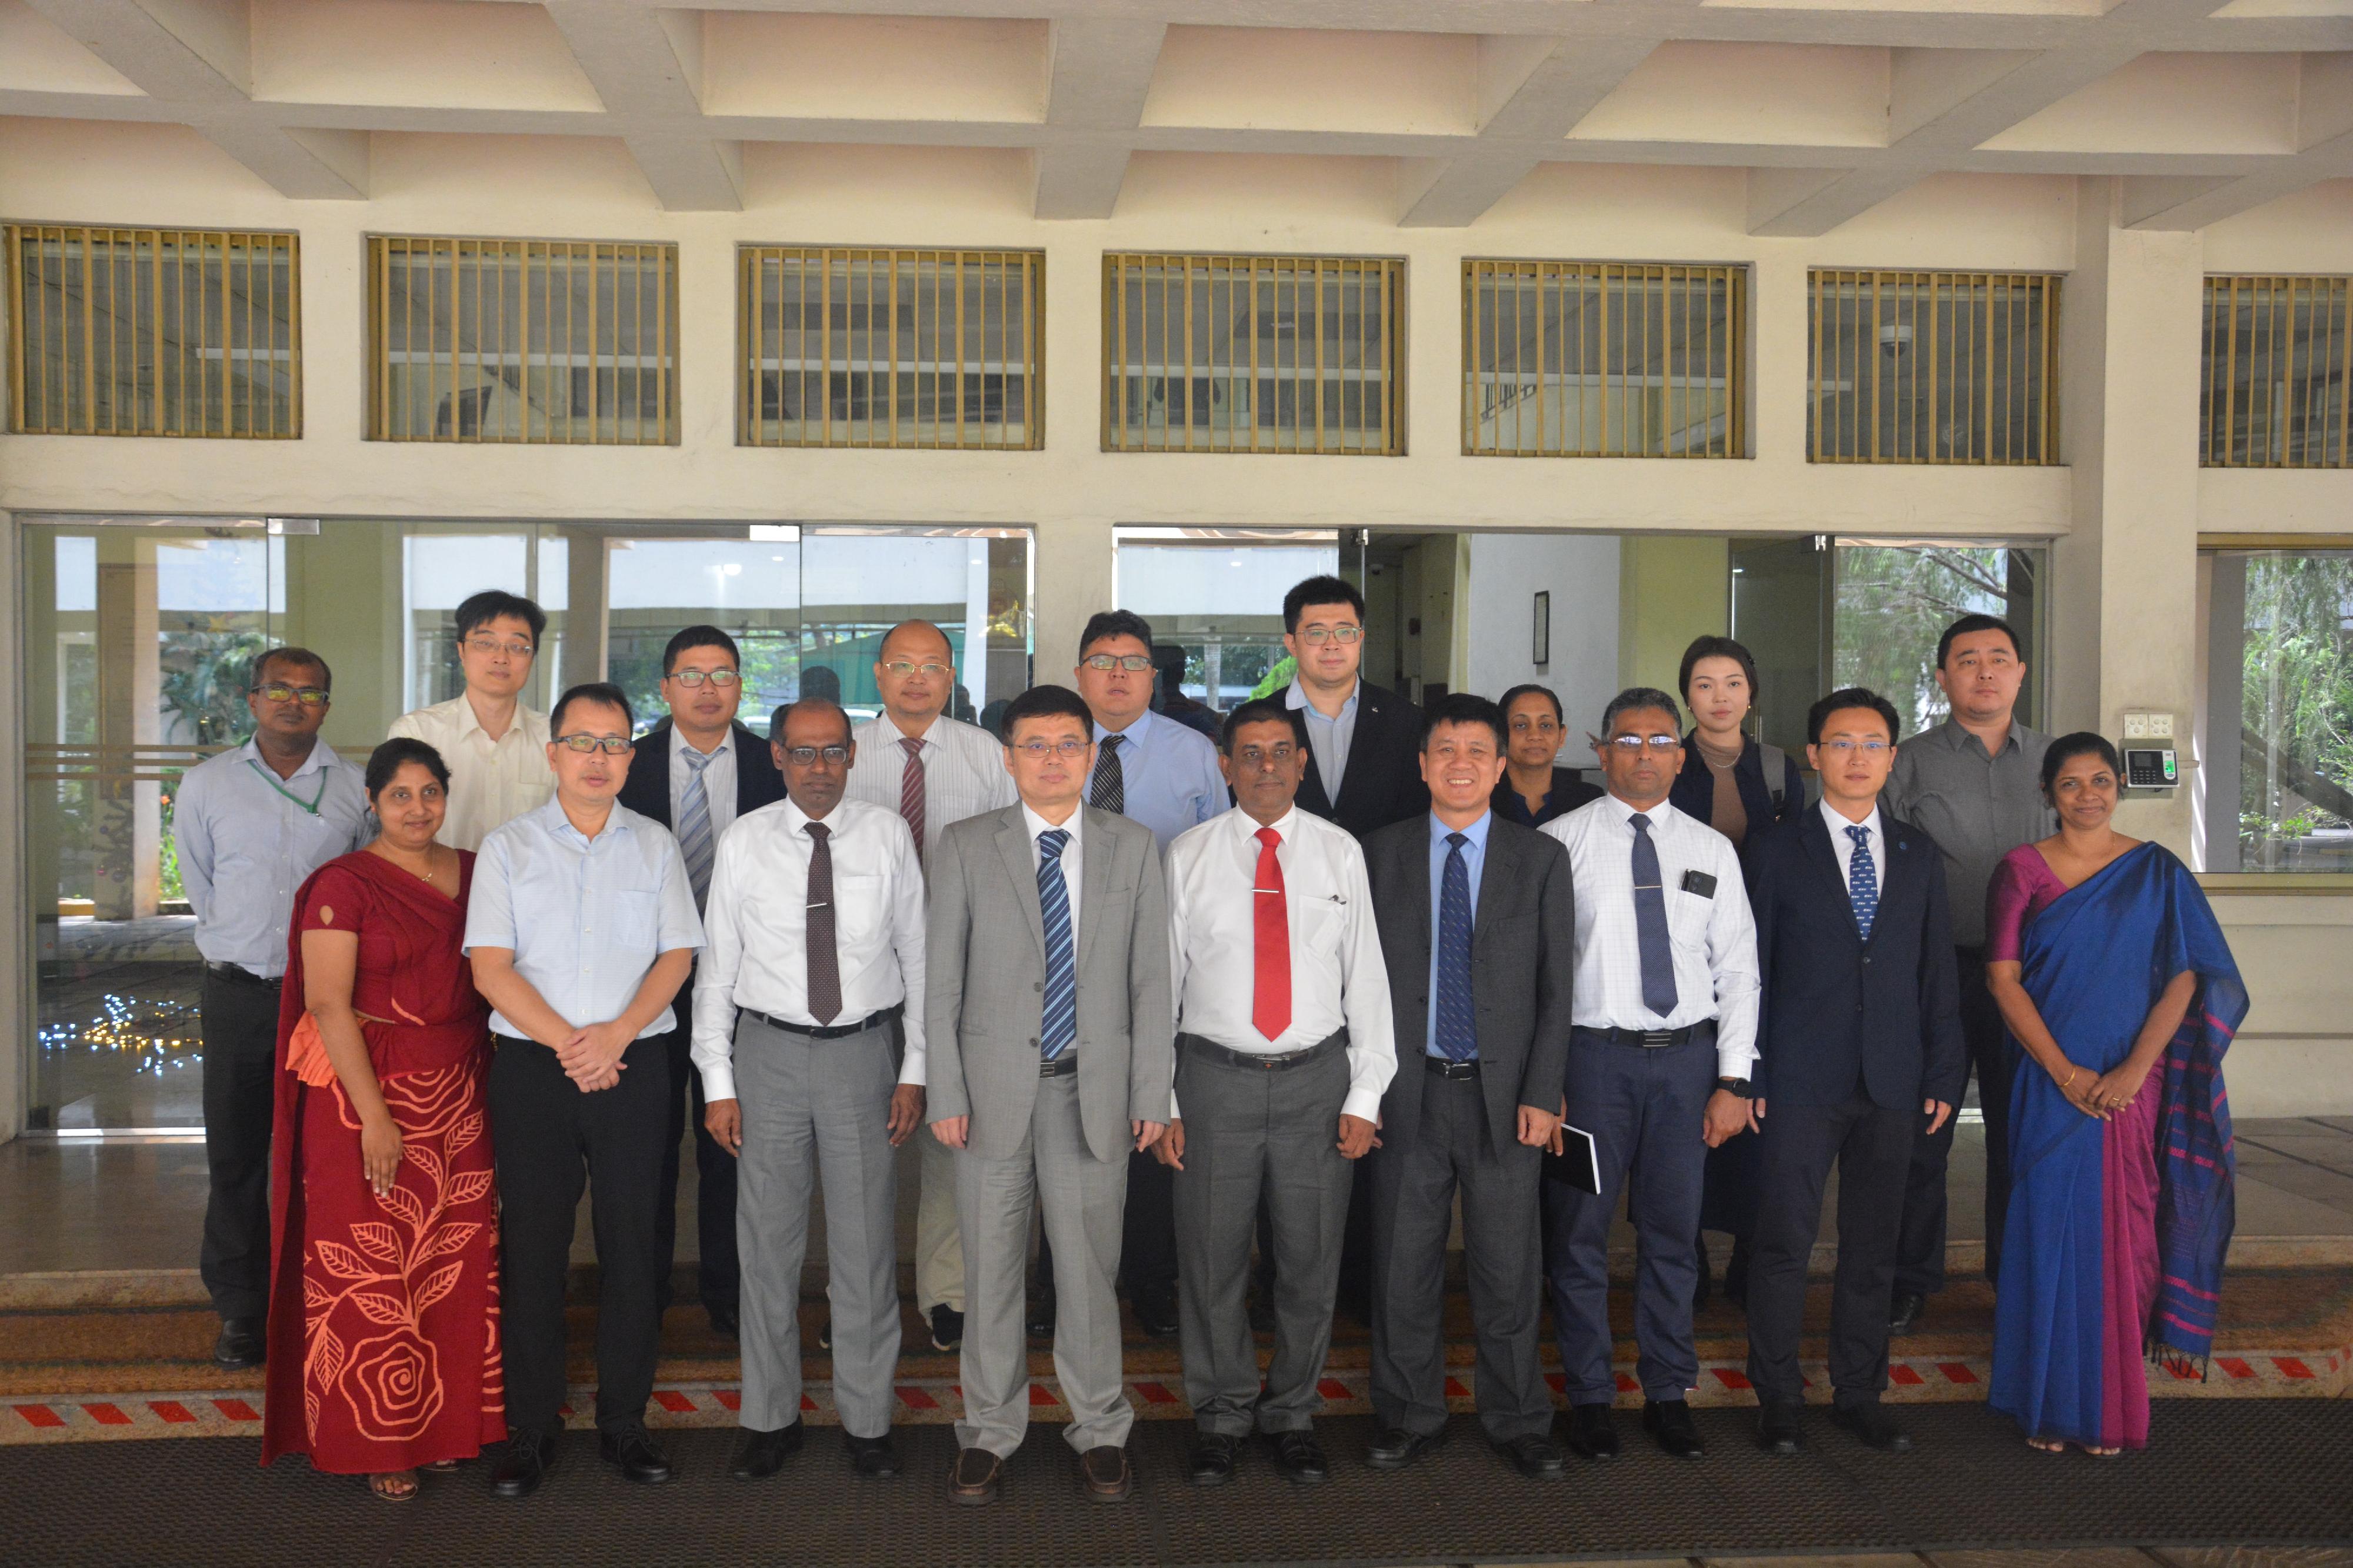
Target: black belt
x=239 y=972
x=1260 y=1061
x=835 y=1032
x=1446 y=1067
x=1652 y=1039
x=1063 y=1065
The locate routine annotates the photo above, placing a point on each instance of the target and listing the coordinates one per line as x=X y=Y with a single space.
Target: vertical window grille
x=144 y=332
x=1587 y=359
x=2273 y=395
x=1933 y=367
x=1241 y=353
x=523 y=340
x=891 y=348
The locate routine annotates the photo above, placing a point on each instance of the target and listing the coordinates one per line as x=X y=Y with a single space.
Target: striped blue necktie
x=1060 y=1025
x=694 y=824
x=1458 y=1020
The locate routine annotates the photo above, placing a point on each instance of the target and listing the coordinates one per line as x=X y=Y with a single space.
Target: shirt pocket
x=857 y=912
x=1323 y=924
x=636 y=921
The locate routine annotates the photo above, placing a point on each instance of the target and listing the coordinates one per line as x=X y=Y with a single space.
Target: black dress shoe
x=1300 y=1457
x=872 y=1459
x=631 y=1451
x=1903 y=1311
x=1040 y=1323
x=1214 y=1454
x=1396 y=1448
x=761 y=1453
x=1533 y=1454
x=1669 y=1423
x=240 y=1345
x=726 y=1318
x=1872 y=1427
x=524 y=1464
x=1155 y=1313
x=948 y=1328
x=1593 y=1431
x=1781 y=1428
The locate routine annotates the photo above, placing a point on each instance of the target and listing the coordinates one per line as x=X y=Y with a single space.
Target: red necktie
x=1270 y=997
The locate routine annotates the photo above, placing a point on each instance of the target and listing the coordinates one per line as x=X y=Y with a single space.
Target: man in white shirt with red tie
x=815 y=944
x=933 y=771
x=1285 y=1045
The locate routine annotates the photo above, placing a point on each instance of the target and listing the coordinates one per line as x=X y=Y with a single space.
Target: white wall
x=1581 y=574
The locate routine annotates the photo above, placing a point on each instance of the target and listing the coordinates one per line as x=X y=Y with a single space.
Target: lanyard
x=311 y=806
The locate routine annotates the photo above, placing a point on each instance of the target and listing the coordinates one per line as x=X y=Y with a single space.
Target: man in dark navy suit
x=696 y=772
x=1860 y=1053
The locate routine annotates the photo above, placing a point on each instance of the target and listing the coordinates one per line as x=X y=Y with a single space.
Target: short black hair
x=821 y=680
x=1463 y=708
x=1045 y=702
x=1848 y=697
x=1107 y=623
x=396 y=753
x=1325 y=590
x=290 y=655
x=1716 y=648
x=1531 y=688
x=478 y=610
x=693 y=637
x=1261 y=711
x=1169 y=660
x=2082 y=744
x=603 y=693
x=1636 y=697
x=1969 y=623
x=783 y=712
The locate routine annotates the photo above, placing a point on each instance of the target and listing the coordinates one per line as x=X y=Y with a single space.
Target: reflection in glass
x=1894 y=600
x=1217 y=594
x=2276 y=746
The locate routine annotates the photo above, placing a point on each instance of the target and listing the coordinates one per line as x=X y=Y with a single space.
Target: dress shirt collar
x=1839 y=823
x=1136 y=734
x=1622 y=812
x=886 y=729
x=1957 y=736
x=1476 y=832
x=1245 y=827
x=1297 y=697
x=796 y=821
x=726 y=742
x=1038 y=825
x=551 y=821
x=321 y=756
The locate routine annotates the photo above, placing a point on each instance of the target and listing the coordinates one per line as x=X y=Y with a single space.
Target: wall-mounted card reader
x=2150 y=767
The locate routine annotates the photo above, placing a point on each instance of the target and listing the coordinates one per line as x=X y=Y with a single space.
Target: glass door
x=1216 y=593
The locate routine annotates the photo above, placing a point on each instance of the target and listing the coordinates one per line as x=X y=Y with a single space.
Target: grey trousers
x=812 y=1108
x=1083 y=1199
x=1414 y=1188
x=1248 y=1132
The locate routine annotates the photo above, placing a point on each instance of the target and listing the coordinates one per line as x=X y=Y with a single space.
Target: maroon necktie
x=911 y=789
x=824 y=962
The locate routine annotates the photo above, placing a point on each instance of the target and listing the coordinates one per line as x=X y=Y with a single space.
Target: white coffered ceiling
x=2203 y=107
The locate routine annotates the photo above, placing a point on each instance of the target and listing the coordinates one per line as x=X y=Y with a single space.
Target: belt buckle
x=1653 y=1038
x=1269 y=1064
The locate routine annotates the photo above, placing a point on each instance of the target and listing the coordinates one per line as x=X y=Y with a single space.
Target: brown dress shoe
x=973 y=1479
x=1105 y=1471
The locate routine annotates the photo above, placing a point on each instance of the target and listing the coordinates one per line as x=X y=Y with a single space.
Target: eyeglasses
x=611 y=745
x=807 y=756
x=1845 y=749
x=513 y=648
x=900 y=669
x=1316 y=637
x=279 y=692
x=1038 y=750
x=1135 y=662
x=721 y=679
x=1632 y=744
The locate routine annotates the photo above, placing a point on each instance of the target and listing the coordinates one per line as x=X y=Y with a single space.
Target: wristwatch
x=1737 y=1086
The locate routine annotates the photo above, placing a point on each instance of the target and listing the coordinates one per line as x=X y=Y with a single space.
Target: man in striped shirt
x=932 y=771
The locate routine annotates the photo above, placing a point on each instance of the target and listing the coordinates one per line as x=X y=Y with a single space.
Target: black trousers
x=1147 y=1248
x=1920 y=1251
x=1872 y=1147
x=719 y=1273
x=239 y=1022
x=550 y=1140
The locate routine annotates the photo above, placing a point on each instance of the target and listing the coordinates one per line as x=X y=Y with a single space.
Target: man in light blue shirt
x=582 y=928
x=1148 y=768
x=250 y=827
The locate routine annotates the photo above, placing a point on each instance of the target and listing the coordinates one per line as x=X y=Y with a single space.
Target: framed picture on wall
x=1543 y=649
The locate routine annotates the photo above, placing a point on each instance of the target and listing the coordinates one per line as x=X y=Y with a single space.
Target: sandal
x=393 y=1486
x=440 y=1467
x=2102 y=1453
x=2046 y=1445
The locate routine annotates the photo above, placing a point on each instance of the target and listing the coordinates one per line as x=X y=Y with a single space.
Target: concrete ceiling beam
x=647 y=67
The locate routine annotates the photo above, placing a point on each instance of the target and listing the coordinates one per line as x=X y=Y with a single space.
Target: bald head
x=915 y=692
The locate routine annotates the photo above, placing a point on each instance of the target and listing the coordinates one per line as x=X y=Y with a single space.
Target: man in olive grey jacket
x=1049 y=1022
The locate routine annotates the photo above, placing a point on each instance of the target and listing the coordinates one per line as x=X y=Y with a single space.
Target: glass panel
x=1931 y=368
x=1218 y=594
x=2276 y=739
x=1893 y=600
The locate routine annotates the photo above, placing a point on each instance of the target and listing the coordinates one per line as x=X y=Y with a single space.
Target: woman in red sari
x=384 y=1258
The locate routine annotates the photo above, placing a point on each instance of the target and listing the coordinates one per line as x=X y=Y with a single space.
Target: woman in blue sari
x=2113 y=978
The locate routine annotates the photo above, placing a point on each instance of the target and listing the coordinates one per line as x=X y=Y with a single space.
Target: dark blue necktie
x=1060 y=1025
x=1457 y=1027
x=1650 y=923
x=1863 y=880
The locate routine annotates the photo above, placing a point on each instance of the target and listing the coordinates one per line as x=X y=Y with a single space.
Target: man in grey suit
x=1050 y=1031
x=1480 y=930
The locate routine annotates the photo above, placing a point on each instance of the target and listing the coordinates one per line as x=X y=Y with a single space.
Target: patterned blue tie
x=1863 y=880
x=1650 y=923
x=694 y=824
x=1060 y=1025
x=1457 y=1027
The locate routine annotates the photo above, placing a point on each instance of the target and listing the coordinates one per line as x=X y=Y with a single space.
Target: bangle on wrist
x=2072 y=1073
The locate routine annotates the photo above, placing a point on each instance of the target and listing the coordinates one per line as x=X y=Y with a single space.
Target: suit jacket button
x=1037 y=986
x=1033 y=1040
